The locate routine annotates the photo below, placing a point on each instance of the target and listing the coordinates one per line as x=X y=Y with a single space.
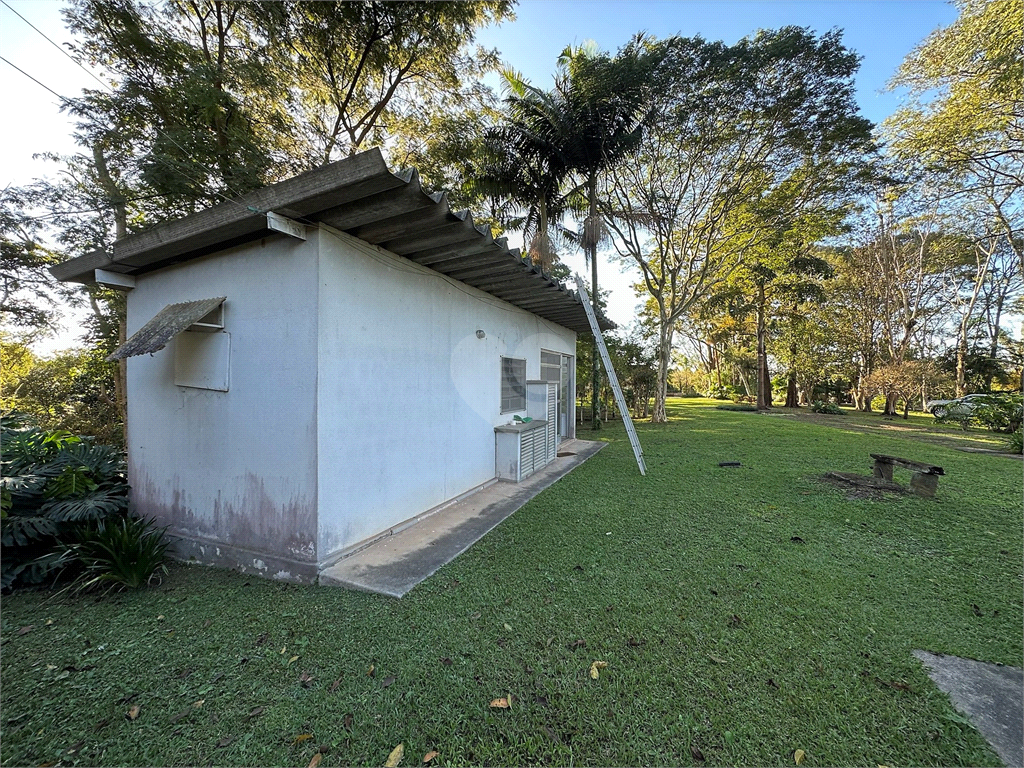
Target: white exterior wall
x=233 y=472
x=408 y=395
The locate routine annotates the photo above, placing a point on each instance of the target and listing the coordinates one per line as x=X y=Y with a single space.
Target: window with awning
x=201 y=315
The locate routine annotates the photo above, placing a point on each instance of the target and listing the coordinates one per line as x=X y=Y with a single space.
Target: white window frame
x=512 y=384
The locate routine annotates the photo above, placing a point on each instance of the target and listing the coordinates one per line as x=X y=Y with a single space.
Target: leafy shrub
x=1000 y=413
x=820 y=406
x=1015 y=443
x=127 y=553
x=55 y=487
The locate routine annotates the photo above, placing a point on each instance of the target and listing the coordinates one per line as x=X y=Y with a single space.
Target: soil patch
x=875 y=423
x=863 y=486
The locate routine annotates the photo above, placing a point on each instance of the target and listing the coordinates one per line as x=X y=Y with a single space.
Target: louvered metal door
x=552 y=427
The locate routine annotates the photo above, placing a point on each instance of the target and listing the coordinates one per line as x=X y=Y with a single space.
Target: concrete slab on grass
x=991 y=695
x=395 y=564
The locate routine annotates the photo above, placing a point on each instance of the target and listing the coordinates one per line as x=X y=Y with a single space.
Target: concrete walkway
x=395 y=564
x=989 y=694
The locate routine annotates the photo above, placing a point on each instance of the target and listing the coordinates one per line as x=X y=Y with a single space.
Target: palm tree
x=549 y=154
x=521 y=166
x=595 y=116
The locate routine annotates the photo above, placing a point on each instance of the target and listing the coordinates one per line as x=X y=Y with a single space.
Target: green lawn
x=744 y=613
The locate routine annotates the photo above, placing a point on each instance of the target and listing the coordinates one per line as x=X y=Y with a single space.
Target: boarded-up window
x=202 y=360
x=513 y=384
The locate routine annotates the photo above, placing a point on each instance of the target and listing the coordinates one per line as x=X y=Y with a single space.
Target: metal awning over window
x=168 y=322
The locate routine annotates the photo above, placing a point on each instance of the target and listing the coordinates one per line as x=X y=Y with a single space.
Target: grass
x=728 y=640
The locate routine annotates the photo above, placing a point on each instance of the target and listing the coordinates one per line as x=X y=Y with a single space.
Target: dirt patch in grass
x=864 y=486
x=920 y=427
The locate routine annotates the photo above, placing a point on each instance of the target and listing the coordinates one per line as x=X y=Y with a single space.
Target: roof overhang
x=359 y=196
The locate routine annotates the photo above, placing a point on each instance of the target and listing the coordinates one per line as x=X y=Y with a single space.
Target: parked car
x=966 y=404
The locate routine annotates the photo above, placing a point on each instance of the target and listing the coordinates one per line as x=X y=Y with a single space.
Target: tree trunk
x=590 y=244
x=906 y=408
x=961 y=361
x=861 y=399
x=993 y=351
x=792 y=396
x=118 y=202
x=890 y=404
x=743 y=380
x=664 y=357
x=764 y=391
x=718 y=367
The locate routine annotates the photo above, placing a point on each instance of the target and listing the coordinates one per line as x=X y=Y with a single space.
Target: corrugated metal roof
x=168 y=322
x=361 y=197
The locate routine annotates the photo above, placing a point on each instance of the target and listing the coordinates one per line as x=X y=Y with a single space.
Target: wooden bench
x=924 y=481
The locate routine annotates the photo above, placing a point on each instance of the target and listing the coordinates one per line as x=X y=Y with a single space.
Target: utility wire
x=41 y=85
x=133 y=108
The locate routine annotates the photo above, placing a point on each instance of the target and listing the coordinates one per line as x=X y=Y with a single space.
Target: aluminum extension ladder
x=620 y=401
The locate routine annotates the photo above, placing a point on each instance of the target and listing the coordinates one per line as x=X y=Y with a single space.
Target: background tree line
x=782 y=242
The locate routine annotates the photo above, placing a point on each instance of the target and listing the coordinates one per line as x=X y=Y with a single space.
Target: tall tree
x=211 y=99
x=592 y=118
x=814 y=147
x=751 y=156
x=966 y=86
x=965 y=112
x=366 y=72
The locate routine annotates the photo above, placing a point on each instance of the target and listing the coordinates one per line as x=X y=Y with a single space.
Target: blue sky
x=883 y=32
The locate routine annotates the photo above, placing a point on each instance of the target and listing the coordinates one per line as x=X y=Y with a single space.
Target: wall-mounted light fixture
x=480 y=334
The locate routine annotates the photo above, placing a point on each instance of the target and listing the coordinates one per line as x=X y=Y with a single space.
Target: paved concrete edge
x=990 y=695
x=398 y=578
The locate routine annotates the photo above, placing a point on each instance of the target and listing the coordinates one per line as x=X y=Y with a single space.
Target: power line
x=26 y=74
x=55 y=45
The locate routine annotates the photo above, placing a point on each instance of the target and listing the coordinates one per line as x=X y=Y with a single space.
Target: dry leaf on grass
x=388 y=681
x=26 y=630
x=798 y=756
x=696 y=753
x=346 y=721
x=255 y=712
x=395 y=757
x=225 y=741
x=502 y=703
x=133 y=713
x=316 y=760
x=371 y=671
x=594 y=674
x=301 y=738
x=293 y=658
x=430 y=756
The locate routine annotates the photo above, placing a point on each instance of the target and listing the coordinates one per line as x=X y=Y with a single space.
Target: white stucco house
x=324 y=359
